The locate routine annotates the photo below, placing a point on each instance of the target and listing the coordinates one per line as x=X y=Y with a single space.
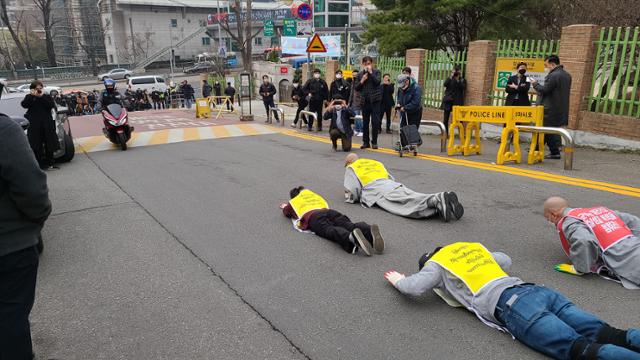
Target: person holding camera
x=42 y=127
x=368 y=84
x=454 y=88
x=340 y=128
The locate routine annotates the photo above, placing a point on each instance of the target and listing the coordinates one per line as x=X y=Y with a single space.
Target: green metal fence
x=438 y=65
x=522 y=49
x=616 y=74
x=391 y=65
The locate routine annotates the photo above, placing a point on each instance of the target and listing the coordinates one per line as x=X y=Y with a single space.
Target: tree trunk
x=46 y=22
x=248 y=39
x=14 y=32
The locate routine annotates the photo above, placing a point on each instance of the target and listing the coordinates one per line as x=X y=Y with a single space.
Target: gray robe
x=390 y=196
x=623 y=258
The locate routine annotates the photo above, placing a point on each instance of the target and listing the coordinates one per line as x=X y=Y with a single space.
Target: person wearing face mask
x=298 y=95
x=317 y=93
x=217 y=91
x=267 y=90
x=454 y=88
x=367 y=82
x=554 y=95
x=340 y=127
x=409 y=101
x=518 y=88
x=340 y=87
x=597 y=240
x=230 y=91
x=387 y=100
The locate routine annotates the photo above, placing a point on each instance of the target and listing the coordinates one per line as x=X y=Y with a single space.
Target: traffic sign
x=289 y=27
x=316 y=45
x=268 y=28
x=305 y=12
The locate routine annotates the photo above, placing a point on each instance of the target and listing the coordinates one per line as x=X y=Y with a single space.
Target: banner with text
x=298 y=46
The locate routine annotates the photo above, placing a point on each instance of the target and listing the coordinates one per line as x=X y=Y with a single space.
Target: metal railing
x=443 y=132
x=438 y=65
x=304 y=116
x=566 y=135
x=276 y=110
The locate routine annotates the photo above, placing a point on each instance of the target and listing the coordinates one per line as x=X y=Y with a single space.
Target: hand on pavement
x=567 y=268
x=393 y=276
x=283 y=205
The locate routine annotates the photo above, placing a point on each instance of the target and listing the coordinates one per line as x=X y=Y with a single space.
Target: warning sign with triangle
x=316 y=45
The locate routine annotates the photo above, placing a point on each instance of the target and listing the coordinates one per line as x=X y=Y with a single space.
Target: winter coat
x=554 y=95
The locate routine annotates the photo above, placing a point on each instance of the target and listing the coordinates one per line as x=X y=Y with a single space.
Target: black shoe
x=374 y=146
x=456 y=208
x=378 y=241
x=365 y=146
x=553 y=157
x=443 y=207
x=360 y=241
x=310 y=129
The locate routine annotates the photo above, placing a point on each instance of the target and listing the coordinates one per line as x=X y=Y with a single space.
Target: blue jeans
x=548 y=322
x=187 y=103
x=358 y=127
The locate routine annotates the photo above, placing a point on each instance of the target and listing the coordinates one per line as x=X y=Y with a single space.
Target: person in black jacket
x=340 y=87
x=340 y=128
x=317 y=93
x=454 y=88
x=187 y=93
x=24 y=208
x=367 y=82
x=518 y=88
x=217 y=91
x=42 y=127
x=267 y=90
x=206 y=88
x=298 y=95
x=387 y=100
x=230 y=91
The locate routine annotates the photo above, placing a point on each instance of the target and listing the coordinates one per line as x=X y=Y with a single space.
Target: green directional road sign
x=289 y=27
x=268 y=28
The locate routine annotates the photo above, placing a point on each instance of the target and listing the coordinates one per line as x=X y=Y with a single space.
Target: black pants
x=336 y=227
x=336 y=134
x=18 y=272
x=268 y=104
x=554 y=142
x=387 y=112
x=445 y=120
x=37 y=136
x=230 y=104
x=371 y=115
x=316 y=107
x=301 y=106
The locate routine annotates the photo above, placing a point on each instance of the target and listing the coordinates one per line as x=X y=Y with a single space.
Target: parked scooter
x=116 y=125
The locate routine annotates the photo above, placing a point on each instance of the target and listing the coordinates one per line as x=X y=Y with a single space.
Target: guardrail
x=276 y=110
x=443 y=132
x=566 y=135
x=306 y=115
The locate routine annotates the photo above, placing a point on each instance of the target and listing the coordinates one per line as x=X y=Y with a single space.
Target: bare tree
x=47 y=25
x=14 y=30
x=244 y=35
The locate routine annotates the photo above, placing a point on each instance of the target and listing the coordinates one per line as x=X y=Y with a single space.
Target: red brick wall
x=481 y=65
x=614 y=125
x=415 y=57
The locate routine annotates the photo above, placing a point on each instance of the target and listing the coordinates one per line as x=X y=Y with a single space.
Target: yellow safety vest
x=368 y=170
x=472 y=263
x=307 y=201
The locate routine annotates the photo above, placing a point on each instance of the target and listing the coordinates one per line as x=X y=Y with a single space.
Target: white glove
x=393 y=277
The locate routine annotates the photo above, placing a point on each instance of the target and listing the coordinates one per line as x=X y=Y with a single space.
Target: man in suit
x=340 y=128
x=518 y=88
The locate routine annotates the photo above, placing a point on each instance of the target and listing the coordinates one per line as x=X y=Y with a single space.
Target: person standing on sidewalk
x=187 y=93
x=368 y=83
x=206 y=89
x=24 y=207
x=217 y=91
x=409 y=101
x=267 y=91
x=554 y=95
x=454 y=88
x=387 y=100
x=517 y=88
x=42 y=128
x=317 y=93
x=298 y=95
x=230 y=91
x=340 y=87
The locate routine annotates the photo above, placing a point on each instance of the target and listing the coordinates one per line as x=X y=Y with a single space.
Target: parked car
x=200 y=68
x=22 y=88
x=10 y=105
x=116 y=74
x=147 y=82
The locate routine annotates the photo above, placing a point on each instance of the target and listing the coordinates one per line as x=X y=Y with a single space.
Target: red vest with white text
x=607 y=227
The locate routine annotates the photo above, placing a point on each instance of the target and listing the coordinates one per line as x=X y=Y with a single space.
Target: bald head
x=350 y=159
x=554 y=208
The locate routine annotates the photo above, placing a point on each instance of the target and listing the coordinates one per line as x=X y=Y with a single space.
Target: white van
x=147 y=82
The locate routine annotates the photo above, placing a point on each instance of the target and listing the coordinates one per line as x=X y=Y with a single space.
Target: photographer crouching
x=340 y=115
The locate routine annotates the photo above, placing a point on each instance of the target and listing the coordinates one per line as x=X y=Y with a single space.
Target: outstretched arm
x=584 y=252
x=352 y=187
x=417 y=284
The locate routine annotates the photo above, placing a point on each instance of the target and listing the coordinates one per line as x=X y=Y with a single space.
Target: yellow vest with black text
x=472 y=263
x=307 y=201
x=368 y=171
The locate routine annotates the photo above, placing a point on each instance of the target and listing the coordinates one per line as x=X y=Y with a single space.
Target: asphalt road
x=180 y=252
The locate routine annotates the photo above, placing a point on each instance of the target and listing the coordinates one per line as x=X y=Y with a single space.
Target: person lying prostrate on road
x=468 y=275
x=597 y=240
x=311 y=212
x=369 y=182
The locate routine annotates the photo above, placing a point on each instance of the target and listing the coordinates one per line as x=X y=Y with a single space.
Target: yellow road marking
x=89 y=143
x=220 y=131
x=247 y=129
x=191 y=134
x=159 y=137
x=533 y=174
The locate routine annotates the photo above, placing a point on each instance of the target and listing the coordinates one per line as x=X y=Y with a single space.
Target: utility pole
x=171 y=49
x=219 y=29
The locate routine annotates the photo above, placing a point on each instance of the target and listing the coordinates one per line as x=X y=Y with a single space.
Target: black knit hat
x=424 y=258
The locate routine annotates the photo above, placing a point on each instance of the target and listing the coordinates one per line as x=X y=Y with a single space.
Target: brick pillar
x=330 y=71
x=480 y=70
x=305 y=73
x=414 y=58
x=577 y=53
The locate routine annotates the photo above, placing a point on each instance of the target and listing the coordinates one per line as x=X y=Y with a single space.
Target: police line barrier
x=203 y=109
x=566 y=135
x=466 y=120
x=275 y=110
